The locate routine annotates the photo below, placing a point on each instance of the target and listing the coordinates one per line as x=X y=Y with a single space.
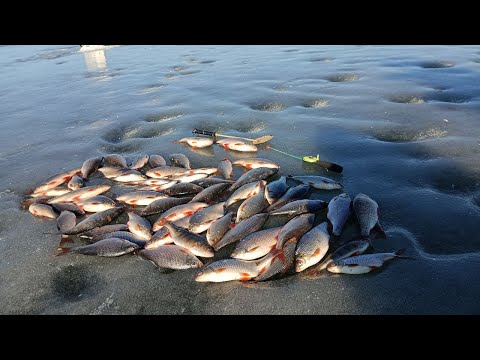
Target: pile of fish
x=180 y=218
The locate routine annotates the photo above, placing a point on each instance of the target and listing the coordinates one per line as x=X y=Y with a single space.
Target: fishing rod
x=310 y=159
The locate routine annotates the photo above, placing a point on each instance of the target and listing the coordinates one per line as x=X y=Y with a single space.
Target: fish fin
x=329 y=227
x=231 y=226
x=373 y=267
x=378 y=231
x=399 y=254
x=245 y=276
x=253 y=249
x=219 y=270
x=63 y=251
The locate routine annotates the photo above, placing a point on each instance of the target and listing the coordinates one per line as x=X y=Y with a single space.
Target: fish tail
x=62 y=251
x=399 y=254
x=378 y=231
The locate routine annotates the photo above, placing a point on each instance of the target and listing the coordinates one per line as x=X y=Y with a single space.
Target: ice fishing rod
x=310 y=159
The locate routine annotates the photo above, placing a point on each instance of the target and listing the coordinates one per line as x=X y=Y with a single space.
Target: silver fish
x=226 y=168
x=139 y=162
x=155 y=182
x=130 y=176
x=275 y=190
x=201 y=220
x=52 y=192
x=126 y=235
x=162 y=172
x=277 y=261
x=219 y=228
x=254 y=163
x=171 y=257
x=108 y=248
x=196 y=244
x=90 y=166
x=178 y=212
x=184 y=178
x=179 y=160
x=35 y=200
x=295 y=229
x=206 y=182
x=366 y=211
x=253 y=205
x=209 y=194
x=75 y=183
x=159 y=238
x=56 y=180
x=339 y=211
x=96 y=220
x=139 y=226
x=362 y=264
x=256 y=245
x=182 y=189
x=80 y=194
x=292 y=194
x=112 y=172
x=141 y=197
x=241 y=230
x=227 y=270
x=66 y=220
x=68 y=207
x=299 y=207
x=196 y=142
x=318 y=182
x=98 y=233
x=115 y=160
x=312 y=247
x=245 y=191
x=253 y=175
x=237 y=145
x=96 y=204
x=162 y=205
x=158 y=187
x=163 y=237
x=156 y=161
x=42 y=210
x=203 y=170
x=352 y=248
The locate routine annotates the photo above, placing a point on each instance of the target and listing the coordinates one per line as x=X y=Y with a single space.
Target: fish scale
x=81 y=194
x=227 y=270
x=241 y=230
x=245 y=191
x=196 y=244
x=277 y=261
x=295 y=228
x=292 y=194
x=251 y=206
x=110 y=247
x=257 y=244
x=312 y=247
x=96 y=220
x=339 y=211
x=202 y=219
x=178 y=212
x=257 y=174
x=171 y=257
x=226 y=168
x=219 y=228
